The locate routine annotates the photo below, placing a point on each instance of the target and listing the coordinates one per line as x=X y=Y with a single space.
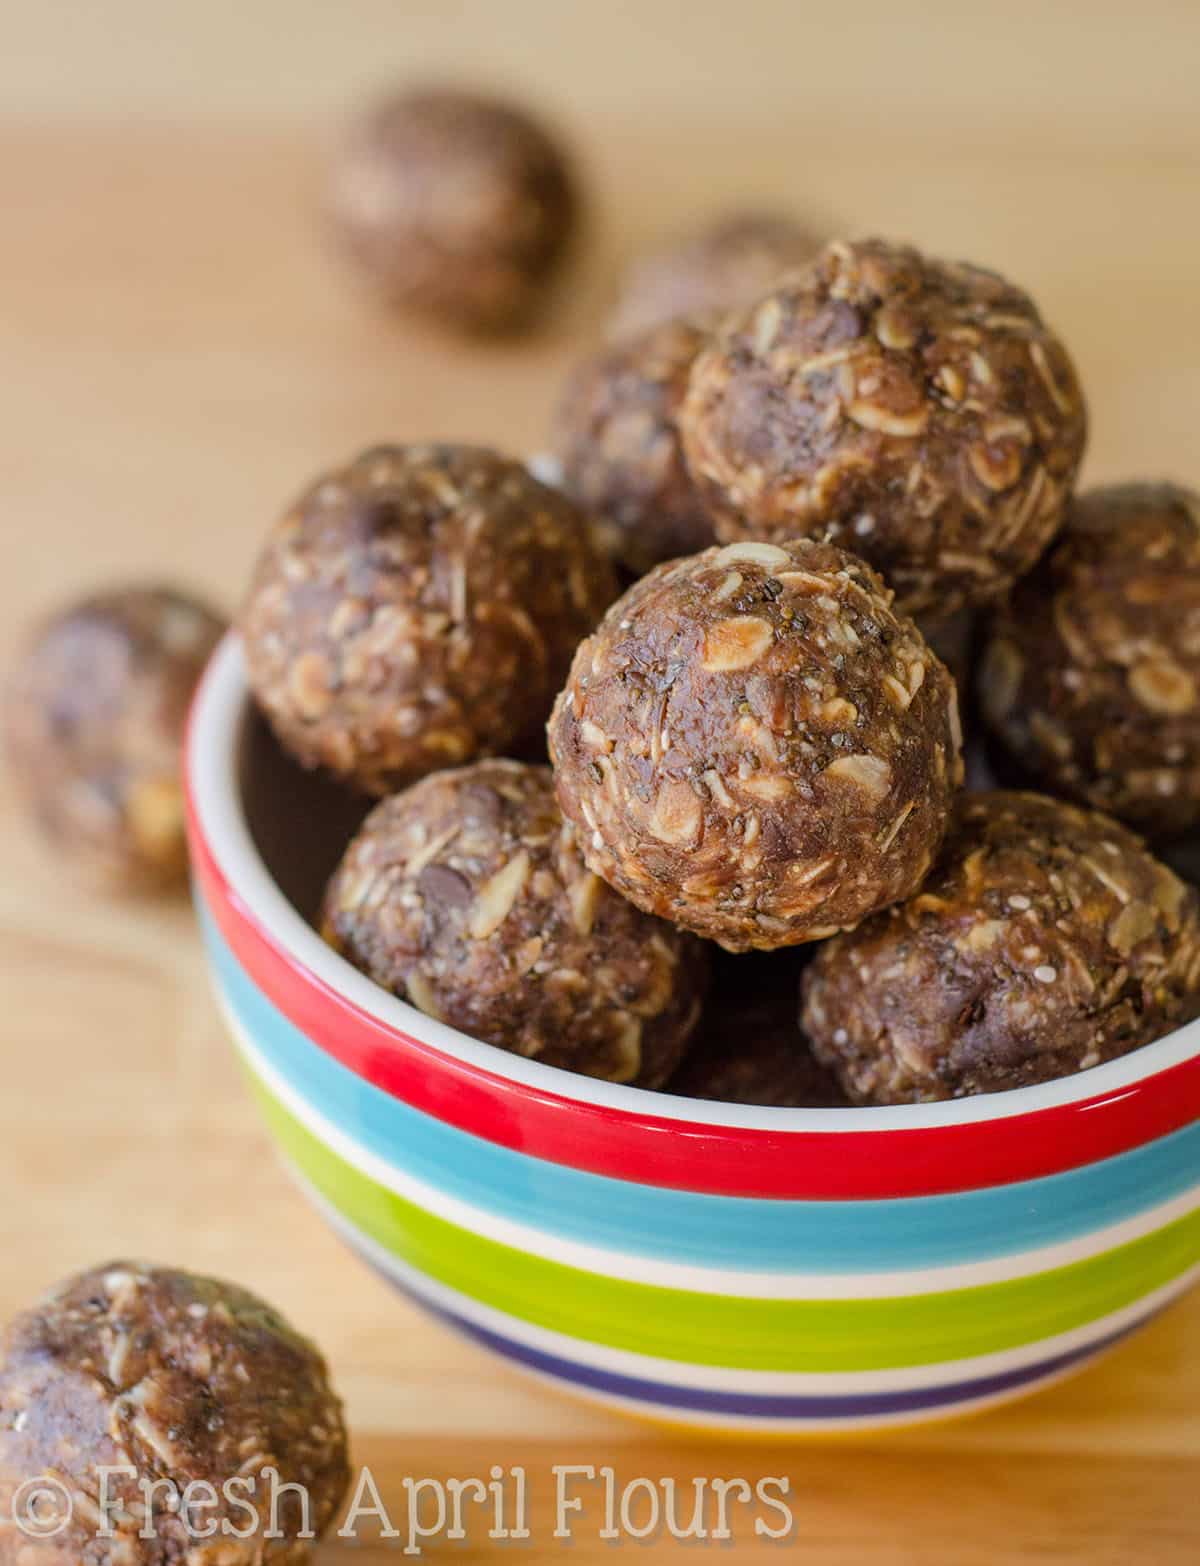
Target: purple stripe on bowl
x=698 y=1400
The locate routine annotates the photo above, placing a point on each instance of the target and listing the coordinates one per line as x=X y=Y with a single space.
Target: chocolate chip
x=444 y=885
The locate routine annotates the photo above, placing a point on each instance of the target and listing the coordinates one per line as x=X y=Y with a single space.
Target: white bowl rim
x=220 y=705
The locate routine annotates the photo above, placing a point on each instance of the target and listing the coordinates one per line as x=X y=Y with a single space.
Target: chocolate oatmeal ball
x=618 y=442
x=1091 y=674
x=468 y=896
x=726 y=265
x=456 y=205
x=916 y=411
x=419 y=608
x=1047 y=940
x=172 y=1381
x=749 y=1049
x=754 y=746
x=94 y=717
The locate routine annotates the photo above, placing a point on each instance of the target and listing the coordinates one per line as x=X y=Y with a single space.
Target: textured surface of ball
x=94 y=720
x=468 y=895
x=1047 y=940
x=455 y=204
x=176 y=1382
x=1091 y=673
x=918 y=412
x=618 y=442
x=753 y=745
x=419 y=608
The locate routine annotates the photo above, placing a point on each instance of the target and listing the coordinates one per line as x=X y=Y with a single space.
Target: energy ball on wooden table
x=1091 y=674
x=94 y=717
x=618 y=442
x=750 y=1049
x=419 y=608
x=455 y=204
x=468 y=895
x=1047 y=940
x=729 y=263
x=756 y=747
x=168 y=1381
x=916 y=411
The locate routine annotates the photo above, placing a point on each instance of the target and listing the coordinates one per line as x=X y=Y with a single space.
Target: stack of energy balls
x=822 y=477
x=756 y=746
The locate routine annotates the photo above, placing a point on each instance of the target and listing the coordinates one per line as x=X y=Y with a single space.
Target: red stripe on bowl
x=693 y=1155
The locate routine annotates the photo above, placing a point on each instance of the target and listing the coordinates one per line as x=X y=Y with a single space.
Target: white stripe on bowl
x=718 y=1378
x=684 y=1275
x=690 y=1418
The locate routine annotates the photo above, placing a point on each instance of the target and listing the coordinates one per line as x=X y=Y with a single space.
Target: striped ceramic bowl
x=711 y=1264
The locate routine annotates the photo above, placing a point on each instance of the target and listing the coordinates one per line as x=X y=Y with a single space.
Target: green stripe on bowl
x=739 y=1333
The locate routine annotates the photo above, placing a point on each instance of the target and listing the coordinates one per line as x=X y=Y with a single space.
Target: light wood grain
x=1088 y=71
x=179 y=354
x=903 y=1506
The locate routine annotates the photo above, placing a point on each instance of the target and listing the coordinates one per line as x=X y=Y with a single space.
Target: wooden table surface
x=179 y=354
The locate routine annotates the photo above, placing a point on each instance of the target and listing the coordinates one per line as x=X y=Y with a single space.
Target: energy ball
x=756 y=747
x=1047 y=940
x=618 y=443
x=750 y=1049
x=468 y=896
x=189 y=1391
x=1091 y=674
x=457 y=205
x=916 y=411
x=727 y=264
x=94 y=718
x=417 y=609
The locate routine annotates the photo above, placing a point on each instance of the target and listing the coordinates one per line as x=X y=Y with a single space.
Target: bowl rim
x=215 y=728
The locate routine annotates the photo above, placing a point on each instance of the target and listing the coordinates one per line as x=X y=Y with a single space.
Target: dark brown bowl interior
x=300 y=821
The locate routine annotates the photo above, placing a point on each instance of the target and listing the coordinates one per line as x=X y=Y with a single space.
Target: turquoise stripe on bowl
x=715 y=1328
x=749 y=1234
